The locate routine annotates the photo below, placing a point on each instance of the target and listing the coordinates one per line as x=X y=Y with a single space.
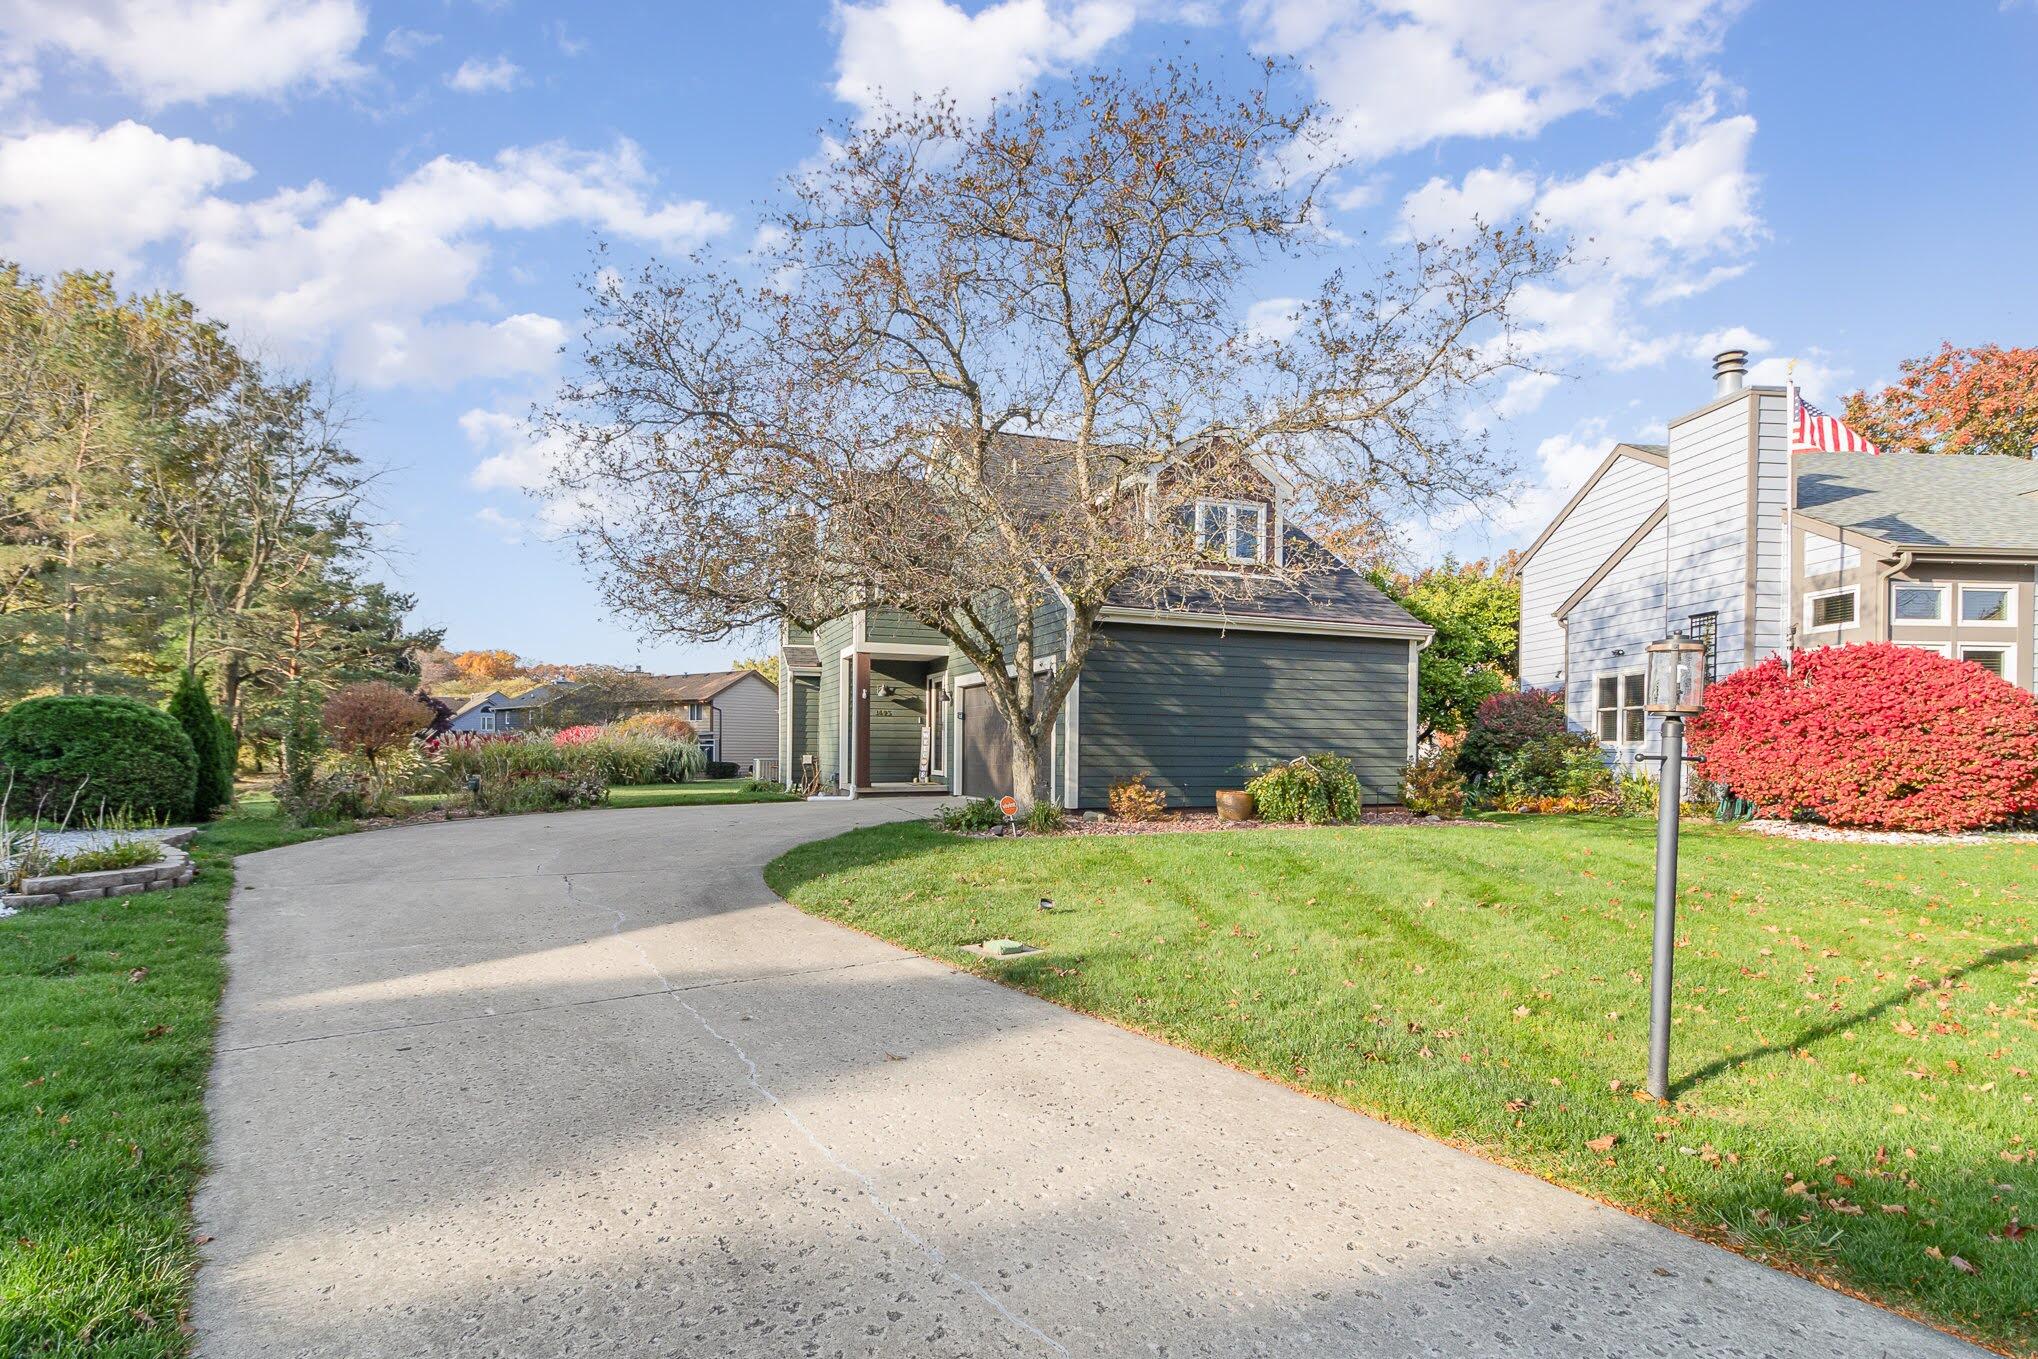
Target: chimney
x=1729 y=371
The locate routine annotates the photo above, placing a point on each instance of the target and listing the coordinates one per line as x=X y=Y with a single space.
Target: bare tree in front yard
x=988 y=369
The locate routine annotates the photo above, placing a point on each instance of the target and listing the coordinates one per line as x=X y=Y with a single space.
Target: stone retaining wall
x=172 y=870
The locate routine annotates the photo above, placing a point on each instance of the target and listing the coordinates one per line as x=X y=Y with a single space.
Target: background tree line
x=169 y=503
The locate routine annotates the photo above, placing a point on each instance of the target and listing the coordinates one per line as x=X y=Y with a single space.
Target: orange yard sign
x=1009 y=805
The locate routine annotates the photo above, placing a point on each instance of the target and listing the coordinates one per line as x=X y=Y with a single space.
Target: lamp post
x=1674 y=689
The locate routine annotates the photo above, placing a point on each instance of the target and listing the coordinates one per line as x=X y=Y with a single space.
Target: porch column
x=859 y=740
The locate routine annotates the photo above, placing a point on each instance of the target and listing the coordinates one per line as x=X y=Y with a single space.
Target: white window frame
x=1811 y=610
x=488 y=719
x=2009 y=594
x=1621 y=708
x=2009 y=654
x=1230 y=510
x=1936 y=587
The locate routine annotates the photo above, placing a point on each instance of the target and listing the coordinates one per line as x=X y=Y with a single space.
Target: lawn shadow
x=2008 y=953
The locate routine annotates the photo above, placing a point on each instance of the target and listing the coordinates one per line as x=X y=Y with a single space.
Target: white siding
x=1772 y=438
x=1628 y=493
x=1824 y=557
x=747 y=721
x=1625 y=612
x=1708 y=523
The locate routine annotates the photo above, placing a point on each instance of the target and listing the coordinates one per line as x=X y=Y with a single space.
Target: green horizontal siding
x=895 y=722
x=1192 y=706
x=889 y=627
x=829 y=639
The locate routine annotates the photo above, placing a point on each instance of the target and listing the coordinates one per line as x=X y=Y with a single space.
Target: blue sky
x=406 y=197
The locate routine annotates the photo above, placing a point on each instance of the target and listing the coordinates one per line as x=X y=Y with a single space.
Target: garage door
x=986 y=745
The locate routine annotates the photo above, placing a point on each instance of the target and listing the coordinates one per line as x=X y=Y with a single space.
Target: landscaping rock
x=84 y=894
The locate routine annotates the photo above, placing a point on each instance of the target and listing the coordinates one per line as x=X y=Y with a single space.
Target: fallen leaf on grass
x=1963 y=1266
x=137 y=975
x=155 y=1031
x=1515 y=1106
x=1605 y=1143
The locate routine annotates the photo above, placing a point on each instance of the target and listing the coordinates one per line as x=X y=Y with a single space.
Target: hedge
x=111 y=752
x=1877 y=736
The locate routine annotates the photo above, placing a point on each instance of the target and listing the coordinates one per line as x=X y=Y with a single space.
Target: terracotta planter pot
x=1234 y=804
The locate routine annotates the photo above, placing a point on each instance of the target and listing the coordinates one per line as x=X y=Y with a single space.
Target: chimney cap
x=1729 y=370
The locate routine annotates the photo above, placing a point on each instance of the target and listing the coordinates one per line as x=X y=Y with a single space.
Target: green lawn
x=699 y=793
x=1856 y=1026
x=106 y=1024
x=706 y=792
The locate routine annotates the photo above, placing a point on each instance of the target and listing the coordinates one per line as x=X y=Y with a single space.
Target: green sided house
x=876 y=702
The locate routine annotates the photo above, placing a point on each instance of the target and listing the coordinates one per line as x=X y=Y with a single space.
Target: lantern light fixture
x=1675 y=685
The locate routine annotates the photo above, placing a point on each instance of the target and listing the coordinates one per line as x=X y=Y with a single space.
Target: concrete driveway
x=579 y=1085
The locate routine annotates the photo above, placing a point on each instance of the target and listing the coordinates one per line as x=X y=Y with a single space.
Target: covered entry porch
x=897 y=709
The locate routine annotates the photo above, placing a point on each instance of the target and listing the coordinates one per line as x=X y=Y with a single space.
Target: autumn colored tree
x=981 y=371
x=1980 y=400
x=486 y=667
x=372 y=718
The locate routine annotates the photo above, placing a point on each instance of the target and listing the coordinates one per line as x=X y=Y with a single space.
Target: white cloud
x=1822 y=381
x=1524 y=394
x=404 y=43
x=438 y=354
x=172 y=51
x=1274 y=318
x=75 y=197
x=490 y=75
x=304 y=265
x=1686 y=202
x=512 y=460
x=510 y=530
x=891 y=50
x=1492 y=194
x=516 y=458
x=1398 y=74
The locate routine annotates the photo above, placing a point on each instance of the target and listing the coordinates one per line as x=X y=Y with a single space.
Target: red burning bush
x=1881 y=736
x=577 y=736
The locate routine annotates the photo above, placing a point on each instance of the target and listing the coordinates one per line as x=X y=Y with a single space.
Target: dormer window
x=1235 y=530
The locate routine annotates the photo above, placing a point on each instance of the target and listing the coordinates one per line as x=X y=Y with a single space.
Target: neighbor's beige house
x=1698 y=535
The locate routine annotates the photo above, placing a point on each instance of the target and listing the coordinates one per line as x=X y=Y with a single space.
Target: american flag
x=1814 y=431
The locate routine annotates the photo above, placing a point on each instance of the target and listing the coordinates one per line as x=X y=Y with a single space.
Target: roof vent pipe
x=1729 y=371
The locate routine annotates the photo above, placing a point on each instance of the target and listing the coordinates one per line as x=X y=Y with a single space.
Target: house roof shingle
x=801 y=658
x=692 y=688
x=1925 y=500
x=1333 y=594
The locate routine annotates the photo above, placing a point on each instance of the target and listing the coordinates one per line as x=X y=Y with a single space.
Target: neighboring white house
x=1694 y=536
x=734 y=711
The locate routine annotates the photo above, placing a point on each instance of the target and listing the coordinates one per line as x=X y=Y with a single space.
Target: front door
x=986 y=745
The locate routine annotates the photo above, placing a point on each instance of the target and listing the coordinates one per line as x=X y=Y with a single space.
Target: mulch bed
x=1204 y=822
x=1801 y=830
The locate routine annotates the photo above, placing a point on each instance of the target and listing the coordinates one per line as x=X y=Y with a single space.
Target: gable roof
x=1334 y=594
x=474 y=701
x=696 y=688
x=1925 y=500
x=535 y=698
x=1655 y=455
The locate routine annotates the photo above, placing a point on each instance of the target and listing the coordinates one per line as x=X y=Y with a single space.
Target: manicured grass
x=701 y=793
x=106 y=1024
x=1856 y=1027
